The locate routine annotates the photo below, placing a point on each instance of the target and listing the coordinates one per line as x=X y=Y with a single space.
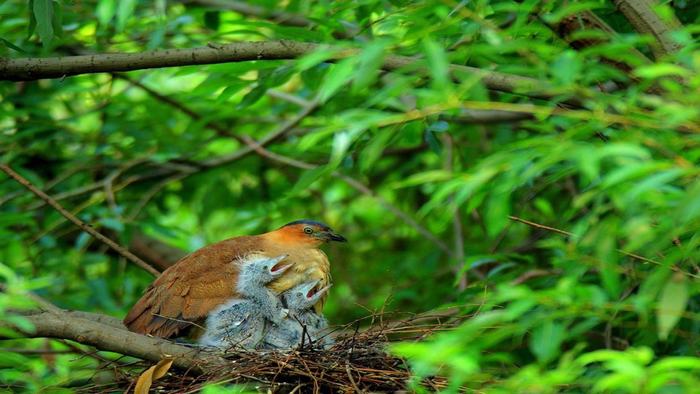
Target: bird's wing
x=187 y=291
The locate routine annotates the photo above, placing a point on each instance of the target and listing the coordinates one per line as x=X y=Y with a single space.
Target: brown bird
x=187 y=291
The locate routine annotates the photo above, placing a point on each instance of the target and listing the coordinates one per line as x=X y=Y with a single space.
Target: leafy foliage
x=575 y=224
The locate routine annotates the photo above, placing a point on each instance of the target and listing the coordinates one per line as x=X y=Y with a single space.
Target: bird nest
x=357 y=362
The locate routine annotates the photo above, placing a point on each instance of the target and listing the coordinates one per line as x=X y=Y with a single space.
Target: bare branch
x=82 y=225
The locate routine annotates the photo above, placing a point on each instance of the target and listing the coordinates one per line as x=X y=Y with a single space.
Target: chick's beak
x=331 y=236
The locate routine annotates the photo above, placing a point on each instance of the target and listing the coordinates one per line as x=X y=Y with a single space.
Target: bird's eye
x=308 y=230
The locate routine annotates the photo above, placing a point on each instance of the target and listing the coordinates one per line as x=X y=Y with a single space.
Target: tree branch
x=109 y=338
x=645 y=20
x=82 y=225
x=60 y=67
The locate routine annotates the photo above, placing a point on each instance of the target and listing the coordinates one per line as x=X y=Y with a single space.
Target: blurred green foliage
x=576 y=227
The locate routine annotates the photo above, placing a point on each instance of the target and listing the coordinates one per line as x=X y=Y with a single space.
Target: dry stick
x=82 y=225
x=628 y=254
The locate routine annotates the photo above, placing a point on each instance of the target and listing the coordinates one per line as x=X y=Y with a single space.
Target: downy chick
x=302 y=325
x=241 y=322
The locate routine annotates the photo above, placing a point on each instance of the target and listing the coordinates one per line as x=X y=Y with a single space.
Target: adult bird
x=185 y=293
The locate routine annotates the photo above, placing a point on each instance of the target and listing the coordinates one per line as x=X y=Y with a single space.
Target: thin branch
x=541 y=226
x=628 y=254
x=486 y=116
x=82 y=225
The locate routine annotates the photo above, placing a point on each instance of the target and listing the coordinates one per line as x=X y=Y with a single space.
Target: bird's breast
x=309 y=264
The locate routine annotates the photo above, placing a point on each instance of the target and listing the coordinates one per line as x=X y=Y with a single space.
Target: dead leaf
x=151 y=374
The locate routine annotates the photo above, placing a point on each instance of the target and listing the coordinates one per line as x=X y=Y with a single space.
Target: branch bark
x=109 y=338
x=644 y=19
x=60 y=67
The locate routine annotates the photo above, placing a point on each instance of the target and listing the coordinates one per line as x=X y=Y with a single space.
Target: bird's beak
x=331 y=236
x=320 y=292
x=310 y=288
x=279 y=269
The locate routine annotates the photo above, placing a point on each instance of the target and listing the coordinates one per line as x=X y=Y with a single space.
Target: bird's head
x=304 y=296
x=308 y=232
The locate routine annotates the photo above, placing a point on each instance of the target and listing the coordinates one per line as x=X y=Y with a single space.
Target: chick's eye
x=308 y=230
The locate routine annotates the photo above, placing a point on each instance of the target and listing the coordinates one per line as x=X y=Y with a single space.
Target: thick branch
x=109 y=338
x=587 y=20
x=645 y=20
x=59 y=67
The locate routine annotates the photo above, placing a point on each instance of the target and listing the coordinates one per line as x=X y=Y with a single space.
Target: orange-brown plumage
x=187 y=291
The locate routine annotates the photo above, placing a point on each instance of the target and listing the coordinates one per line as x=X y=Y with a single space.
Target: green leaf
x=315 y=58
x=424 y=177
x=370 y=62
x=672 y=303
x=212 y=20
x=125 y=9
x=253 y=96
x=336 y=78
x=437 y=64
x=432 y=141
x=660 y=70
x=57 y=20
x=32 y=19
x=105 y=11
x=566 y=68
x=341 y=143
x=308 y=178
x=374 y=149
x=12 y=46
x=497 y=211
x=546 y=340
x=43 y=12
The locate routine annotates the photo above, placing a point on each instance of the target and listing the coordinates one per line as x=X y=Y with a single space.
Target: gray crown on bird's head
x=261 y=269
